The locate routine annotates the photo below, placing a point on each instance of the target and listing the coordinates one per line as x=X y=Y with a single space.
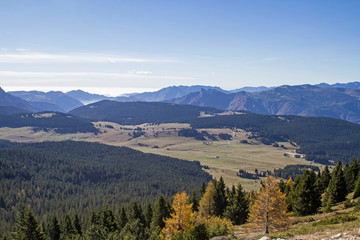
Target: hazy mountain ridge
x=303 y=100
x=8 y=100
x=49 y=101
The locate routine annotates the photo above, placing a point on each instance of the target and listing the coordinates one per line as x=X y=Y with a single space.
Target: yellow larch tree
x=182 y=219
x=269 y=210
x=207 y=203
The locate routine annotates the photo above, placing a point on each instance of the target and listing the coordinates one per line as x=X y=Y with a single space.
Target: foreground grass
x=318 y=226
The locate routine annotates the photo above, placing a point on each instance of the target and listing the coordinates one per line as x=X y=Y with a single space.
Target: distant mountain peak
x=2 y=91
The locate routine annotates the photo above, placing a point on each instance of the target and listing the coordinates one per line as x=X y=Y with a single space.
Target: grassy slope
x=232 y=155
x=304 y=228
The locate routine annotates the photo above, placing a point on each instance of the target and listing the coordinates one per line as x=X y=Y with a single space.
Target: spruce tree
x=135 y=212
x=161 y=211
x=53 y=229
x=357 y=189
x=67 y=229
x=306 y=196
x=220 y=198
x=122 y=218
x=77 y=225
x=108 y=219
x=202 y=189
x=325 y=179
x=238 y=209
x=148 y=215
x=354 y=172
x=195 y=202
x=337 y=185
x=27 y=226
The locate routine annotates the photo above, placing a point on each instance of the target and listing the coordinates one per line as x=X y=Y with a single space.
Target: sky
x=120 y=46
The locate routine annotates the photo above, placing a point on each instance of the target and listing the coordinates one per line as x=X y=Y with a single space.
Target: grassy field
x=224 y=158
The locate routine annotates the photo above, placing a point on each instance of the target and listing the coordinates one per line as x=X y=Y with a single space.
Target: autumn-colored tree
x=182 y=219
x=269 y=210
x=207 y=203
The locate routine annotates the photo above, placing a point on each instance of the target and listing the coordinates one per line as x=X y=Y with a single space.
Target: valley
x=223 y=157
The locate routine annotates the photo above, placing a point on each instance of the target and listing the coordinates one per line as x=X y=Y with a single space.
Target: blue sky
x=117 y=46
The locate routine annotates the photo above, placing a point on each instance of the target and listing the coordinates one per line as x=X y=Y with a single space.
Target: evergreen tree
x=161 y=211
x=347 y=176
x=53 y=229
x=27 y=226
x=238 y=209
x=357 y=189
x=122 y=218
x=202 y=189
x=219 y=198
x=269 y=208
x=306 y=197
x=135 y=212
x=337 y=186
x=108 y=219
x=193 y=199
x=354 y=172
x=67 y=228
x=77 y=225
x=148 y=215
x=282 y=186
x=325 y=179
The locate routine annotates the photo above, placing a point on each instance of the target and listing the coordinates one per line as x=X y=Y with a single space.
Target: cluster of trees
x=304 y=194
x=79 y=176
x=58 y=122
x=321 y=139
x=203 y=135
x=293 y=170
x=210 y=212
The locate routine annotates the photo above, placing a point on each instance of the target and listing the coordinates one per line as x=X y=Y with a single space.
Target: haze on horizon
x=120 y=46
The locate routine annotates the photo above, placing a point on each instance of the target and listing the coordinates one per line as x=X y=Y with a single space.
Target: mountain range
x=340 y=100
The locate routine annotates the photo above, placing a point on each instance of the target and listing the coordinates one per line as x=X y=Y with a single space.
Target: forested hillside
x=321 y=139
x=133 y=113
x=61 y=177
x=46 y=121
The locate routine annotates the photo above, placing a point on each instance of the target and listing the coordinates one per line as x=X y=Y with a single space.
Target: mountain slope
x=49 y=101
x=85 y=97
x=46 y=121
x=68 y=176
x=165 y=93
x=8 y=100
x=304 y=100
x=139 y=112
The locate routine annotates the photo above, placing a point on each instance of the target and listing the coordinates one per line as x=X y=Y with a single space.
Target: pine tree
x=347 y=176
x=354 y=172
x=135 y=212
x=325 y=179
x=161 y=211
x=238 y=209
x=53 y=229
x=269 y=210
x=337 y=186
x=77 y=225
x=282 y=186
x=122 y=218
x=148 y=215
x=182 y=219
x=306 y=197
x=357 y=189
x=207 y=202
x=67 y=228
x=195 y=202
x=202 y=189
x=220 y=198
x=27 y=226
x=108 y=219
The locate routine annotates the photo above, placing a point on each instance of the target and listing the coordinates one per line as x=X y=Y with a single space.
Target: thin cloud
x=271 y=59
x=23 y=56
x=71 y=75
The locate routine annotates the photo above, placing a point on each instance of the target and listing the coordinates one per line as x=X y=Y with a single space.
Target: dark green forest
x=321 y=139
x=59 y=122
x=133 y=113
x=64 y=177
